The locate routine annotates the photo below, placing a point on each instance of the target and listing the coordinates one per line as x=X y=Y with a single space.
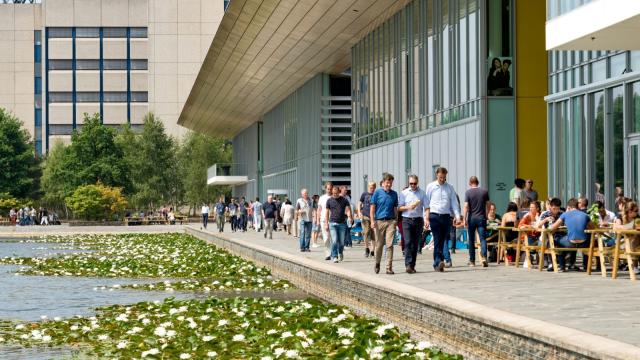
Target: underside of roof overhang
x=265 y=49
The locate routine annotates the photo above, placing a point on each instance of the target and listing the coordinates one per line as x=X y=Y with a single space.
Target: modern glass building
x=593 y=102
x=454 y=83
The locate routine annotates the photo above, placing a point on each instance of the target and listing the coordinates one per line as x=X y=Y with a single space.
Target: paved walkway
x=588 y=303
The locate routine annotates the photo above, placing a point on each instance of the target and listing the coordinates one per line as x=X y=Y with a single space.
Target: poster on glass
x=499 y=79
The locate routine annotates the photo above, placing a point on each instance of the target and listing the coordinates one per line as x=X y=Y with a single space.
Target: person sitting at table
x=605 y=217
x=583 y=204
x=627 y=221
x=576 y=222
x=530 y=220
x=522 y=212
x=493 y=221
x=509 y=219
x=548 y=217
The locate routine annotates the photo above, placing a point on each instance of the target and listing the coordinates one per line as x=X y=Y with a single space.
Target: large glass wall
x=558 y=7
x=416 y=71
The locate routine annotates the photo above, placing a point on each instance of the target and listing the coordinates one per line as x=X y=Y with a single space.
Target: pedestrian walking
x=257 y=214
x=221 y=209
x=44 y=216
x=287 y=212
x=411 y=204
x=384 y=209
x=205 y=215
x=476 y=207
x=364 y=211
x=321 y=218
x=242 y=219
x=441 y=204
x=233 y=214
x=337 y=211
x=269 y=213
x=304 y=213
x=315 y=227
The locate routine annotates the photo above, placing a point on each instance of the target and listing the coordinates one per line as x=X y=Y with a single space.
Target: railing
x=227 y=170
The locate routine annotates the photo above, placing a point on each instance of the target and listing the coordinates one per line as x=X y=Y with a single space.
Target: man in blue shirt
x=440 y=203
x=220 y=210
x=576 y=222
x=411 y=203
x=384 y=209
x=269 y=211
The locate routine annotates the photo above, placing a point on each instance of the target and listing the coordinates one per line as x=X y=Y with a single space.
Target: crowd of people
x=414 y=215
x=27 y=216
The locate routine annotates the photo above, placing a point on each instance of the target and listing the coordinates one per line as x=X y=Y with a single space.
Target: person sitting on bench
x=576 y=222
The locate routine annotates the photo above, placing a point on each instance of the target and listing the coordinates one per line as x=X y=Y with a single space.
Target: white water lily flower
x=121 y=345
x=278 y=351
x=146 y=321
x=46 y=338
x=122 y=317
x=346 y=342
x=103 y=337
x=57 y=318
x=301 y=334
x=185 y=356
x=266 y=358
x=422 y=345
x=291 y=354
x=279 y=309
x=321 y=320
x=204 y=317
x=344 y=332
x=73 y=327
x=271 y=332
x=377 y=349
x=180 y=318
x=238 y=337
x=171 y=333
x=173 y=311
x=339 y=318
x=153 y=351
x=222 y=322
x=306 y=305
x=212 y=354
x=160 y=331
x=19 y=327
x=421 y=355
x=304 y=344
x=1 y=339
x=208 y=338
x=24 y=336
x=286 y=334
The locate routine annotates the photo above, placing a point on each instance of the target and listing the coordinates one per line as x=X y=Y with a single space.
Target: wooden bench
x=504 y=245
x=598 y=249
x=626 y=236
x=183 y=219
x=5 y=221
x=553 y=250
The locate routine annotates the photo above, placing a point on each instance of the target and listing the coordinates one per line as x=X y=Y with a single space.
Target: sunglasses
x=412 y=183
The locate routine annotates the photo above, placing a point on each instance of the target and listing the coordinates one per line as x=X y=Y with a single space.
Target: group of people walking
x=32 y=216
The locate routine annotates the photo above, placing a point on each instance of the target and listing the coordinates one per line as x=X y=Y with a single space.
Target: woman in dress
x=287 y=213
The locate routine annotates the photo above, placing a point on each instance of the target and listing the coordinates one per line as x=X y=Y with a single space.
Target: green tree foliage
x=97 y=202
x=7 y=202
x=199 y=152
x=19 y=168
x=152 y=159
x=57 y=180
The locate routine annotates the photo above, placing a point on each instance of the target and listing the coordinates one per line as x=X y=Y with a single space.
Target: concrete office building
x=119 y=58
x=420 y=91
x=594 y=98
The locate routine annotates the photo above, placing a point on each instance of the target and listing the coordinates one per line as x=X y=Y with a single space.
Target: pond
x=65 y=297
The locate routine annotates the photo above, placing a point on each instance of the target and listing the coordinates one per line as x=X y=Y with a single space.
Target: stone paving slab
x=603 y=307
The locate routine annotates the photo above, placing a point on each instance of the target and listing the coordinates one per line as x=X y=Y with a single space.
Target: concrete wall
x=455 y=147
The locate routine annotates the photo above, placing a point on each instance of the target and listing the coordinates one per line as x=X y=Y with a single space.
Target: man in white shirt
x=321 y=218
x=205 y=215
x=304 y=209
x=440 y=204
x=604 y=216
x=257 y=214
x=411 y=204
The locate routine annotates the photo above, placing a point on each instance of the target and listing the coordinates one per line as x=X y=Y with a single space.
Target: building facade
x=117 y=58
x=594 y=100
x=454 y=83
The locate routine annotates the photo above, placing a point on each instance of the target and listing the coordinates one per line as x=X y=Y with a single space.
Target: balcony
x=227 y=174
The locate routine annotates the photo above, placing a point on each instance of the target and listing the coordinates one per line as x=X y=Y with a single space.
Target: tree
x=19 y=168
x=97 y=202
x=151 y=158
x=199 y=152
x=57 y=180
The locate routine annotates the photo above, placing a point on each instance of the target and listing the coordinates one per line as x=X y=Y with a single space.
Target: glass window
x=87 y=32
x=60 y=129
x=635 y=103
x=115 y=64
x=115 y=96
x=618 y=65
x=60 y=96
x=60 y=32
x=38 y=118
x=38 y=85
x=473 y=49
x=37 y=53
x=138 y=32
x=139 y=96
x=86 y=96
x=87 y=64
x=599 y=70
x=577 y=135
x=446 y=56
x=617 y=109
x=114 y=32
x=598 y=119
x=635 y=60
x=139 y=64
x=59 y=64
x=462 y=50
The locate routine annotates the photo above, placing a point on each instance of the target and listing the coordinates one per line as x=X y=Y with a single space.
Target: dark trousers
x=412 y=231
x=242 y=222
x=234 y=223
x=440 y=228
x=480 y=225
x=205 y=220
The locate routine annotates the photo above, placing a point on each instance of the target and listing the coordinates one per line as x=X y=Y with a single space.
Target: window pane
x=88 y=64
x=139 y=64
x=617 y=108
x=473 y=49
x=58 y=96
x=87 y=32
x=446 y=60
x=618 y=64
x=635 y=60
x=635 y=121
x=114 y=32
x=140 y=32
x=115 y=96
x=88 y=97
x=139 y=96
x=599 y=70
x=59 y=33
x=598 y=112
x=60 y=65
x=115 y=64
x=58 y=129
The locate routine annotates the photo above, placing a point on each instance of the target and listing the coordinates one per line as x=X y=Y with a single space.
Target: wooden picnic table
x=502 y=242
x=600 y=251
x=625 y=234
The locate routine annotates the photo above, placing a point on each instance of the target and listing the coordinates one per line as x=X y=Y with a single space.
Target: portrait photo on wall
x=499 y=78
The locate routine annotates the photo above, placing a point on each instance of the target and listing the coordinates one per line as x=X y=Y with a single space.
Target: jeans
x=268 y=227
x=205 y=220
x=412 y=230
x=220 y=222
x=479 y=225
x=326 y=238
x=242 y=222
x=257 y=222
x=305 y=234
x=440 y=229
x=338 y=235
x=566 y=243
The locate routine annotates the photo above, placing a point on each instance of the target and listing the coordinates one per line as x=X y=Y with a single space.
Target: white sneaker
x=336 y=260
x=315 y=245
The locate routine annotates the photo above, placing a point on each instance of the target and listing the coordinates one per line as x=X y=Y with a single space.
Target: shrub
x=97 y=202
